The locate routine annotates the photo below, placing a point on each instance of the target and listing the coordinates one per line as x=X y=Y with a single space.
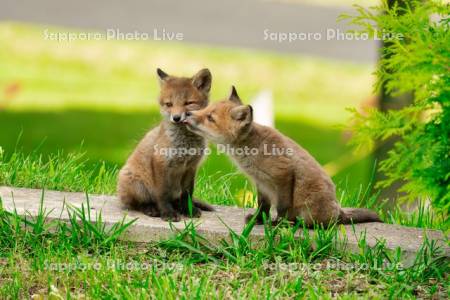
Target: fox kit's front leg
x=187 y=195
x=285 y=200
x=165 y=203
x=263 y=208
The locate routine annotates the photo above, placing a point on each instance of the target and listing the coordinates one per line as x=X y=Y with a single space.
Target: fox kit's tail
x=202 y=205
x=357 y=215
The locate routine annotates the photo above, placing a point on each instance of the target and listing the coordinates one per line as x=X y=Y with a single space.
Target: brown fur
x=153 y=180
x=294 y=182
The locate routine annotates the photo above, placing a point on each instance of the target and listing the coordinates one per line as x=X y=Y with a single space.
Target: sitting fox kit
x=155 y=179
x=290 y=178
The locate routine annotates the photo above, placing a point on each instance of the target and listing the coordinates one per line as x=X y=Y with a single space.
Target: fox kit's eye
x=210 y=118
x=168 y=104
x=190 y=103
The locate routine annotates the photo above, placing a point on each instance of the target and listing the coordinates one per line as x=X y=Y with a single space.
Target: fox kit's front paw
x=258 y=220
x=191 y=211
x=172 y=216
x=196 y=212
x=151 y=211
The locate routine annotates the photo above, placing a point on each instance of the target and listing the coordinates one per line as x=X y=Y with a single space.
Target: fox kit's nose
x=176 y=118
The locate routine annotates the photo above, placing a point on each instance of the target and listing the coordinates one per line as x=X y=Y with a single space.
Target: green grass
x=40 y=258
x=67 y=130
x=102 y=94
x=74 y=172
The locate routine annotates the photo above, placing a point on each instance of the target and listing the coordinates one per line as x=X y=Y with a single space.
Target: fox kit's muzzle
x=178 y=118
x=190 y=121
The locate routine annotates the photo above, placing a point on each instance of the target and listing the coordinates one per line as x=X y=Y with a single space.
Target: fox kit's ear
x=234 y=97
x=242 y=113
x=162 y=75
x=202 y=80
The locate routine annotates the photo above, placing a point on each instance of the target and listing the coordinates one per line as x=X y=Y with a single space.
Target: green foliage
x=418 y=63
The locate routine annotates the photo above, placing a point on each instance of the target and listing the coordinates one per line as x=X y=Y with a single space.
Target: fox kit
x=285 y=174
x=158 y=177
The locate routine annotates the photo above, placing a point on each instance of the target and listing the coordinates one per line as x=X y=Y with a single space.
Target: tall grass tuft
x=60 y=171
x=33 y=233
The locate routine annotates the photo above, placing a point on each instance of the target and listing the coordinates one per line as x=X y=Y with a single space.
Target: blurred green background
x=100 y=96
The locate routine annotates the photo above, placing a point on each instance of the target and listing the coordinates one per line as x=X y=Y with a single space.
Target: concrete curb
x=211 y=224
